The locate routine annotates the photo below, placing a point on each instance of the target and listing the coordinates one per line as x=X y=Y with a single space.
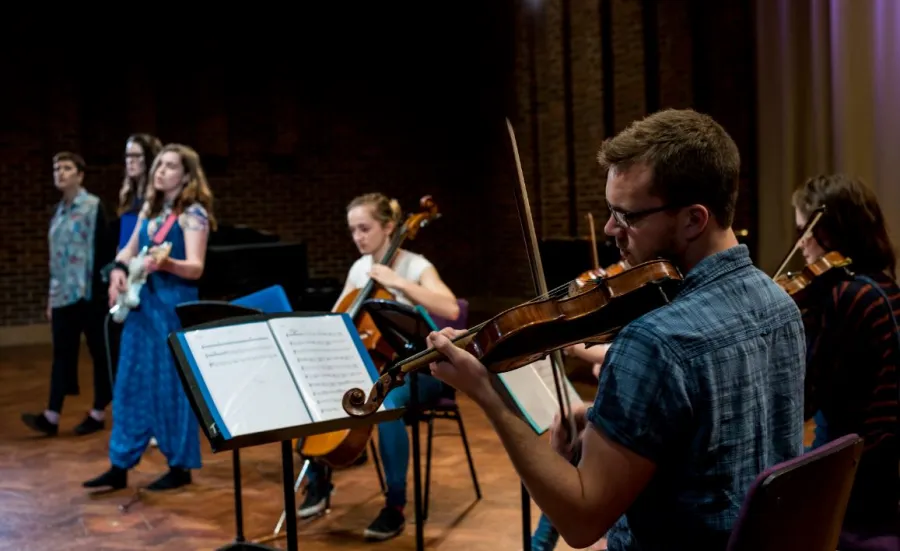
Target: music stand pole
x=417 y=461
x=287 y=468
x=526 y=519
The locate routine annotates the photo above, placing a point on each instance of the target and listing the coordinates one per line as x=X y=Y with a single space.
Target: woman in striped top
x=853 y=342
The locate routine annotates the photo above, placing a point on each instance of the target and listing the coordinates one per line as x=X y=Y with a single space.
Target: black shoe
x=389 y=523
x=175 y=478
x=89 y=425
x=115 y=478
x=38 y=422
x=315 y=500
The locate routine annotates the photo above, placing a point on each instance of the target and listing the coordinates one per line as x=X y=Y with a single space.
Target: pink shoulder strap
x=163 y=230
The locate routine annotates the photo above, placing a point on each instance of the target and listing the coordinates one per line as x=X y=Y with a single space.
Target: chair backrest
x=799 y=505
x=270 y=300
x=460 y=322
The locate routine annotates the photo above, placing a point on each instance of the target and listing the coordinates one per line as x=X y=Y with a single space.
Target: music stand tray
x=211 y=392
x=406 y=329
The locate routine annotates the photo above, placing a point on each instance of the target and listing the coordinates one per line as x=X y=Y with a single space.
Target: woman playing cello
x=411 y=279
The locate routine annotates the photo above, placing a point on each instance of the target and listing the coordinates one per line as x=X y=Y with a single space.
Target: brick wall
x=290 y=129
x=704 y=60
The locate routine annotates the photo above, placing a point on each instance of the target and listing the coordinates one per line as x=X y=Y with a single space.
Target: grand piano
x=241 y=260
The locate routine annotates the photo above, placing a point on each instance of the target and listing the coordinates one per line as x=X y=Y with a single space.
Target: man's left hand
x=461 y=370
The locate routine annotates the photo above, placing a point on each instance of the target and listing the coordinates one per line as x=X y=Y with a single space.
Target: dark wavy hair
x=131 y=187
x=852 y=224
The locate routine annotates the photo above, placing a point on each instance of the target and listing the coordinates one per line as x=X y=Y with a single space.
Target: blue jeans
x=393 y=443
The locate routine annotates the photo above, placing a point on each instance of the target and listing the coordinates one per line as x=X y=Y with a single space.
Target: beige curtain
x=828 y=83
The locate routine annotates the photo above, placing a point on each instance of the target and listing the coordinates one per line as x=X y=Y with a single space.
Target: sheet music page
x=325 y=361
x=544 y=369
x=247 y=378
x=531 y=396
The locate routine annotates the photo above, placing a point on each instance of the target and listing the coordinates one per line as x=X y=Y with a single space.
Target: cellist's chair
x=447 y=408
x=799 y=505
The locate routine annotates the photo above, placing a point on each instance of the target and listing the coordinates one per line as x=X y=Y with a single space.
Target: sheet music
x=529 y=393
x=325 y=361
x=247 y=378
x=533 y=390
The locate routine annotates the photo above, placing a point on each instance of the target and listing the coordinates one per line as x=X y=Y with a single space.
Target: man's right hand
x=558 y=434
x=49 y=312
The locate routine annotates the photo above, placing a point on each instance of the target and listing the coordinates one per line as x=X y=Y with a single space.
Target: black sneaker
x=314 y=502
x=38 y=422
x=390 y=523
x=89 y=425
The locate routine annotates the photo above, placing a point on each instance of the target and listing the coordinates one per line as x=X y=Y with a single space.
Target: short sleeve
x=358 y=273
x=642 y=402
x=417 y=266
x=194 y=218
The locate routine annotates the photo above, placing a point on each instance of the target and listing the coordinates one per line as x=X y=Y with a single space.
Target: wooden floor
x=44 y=507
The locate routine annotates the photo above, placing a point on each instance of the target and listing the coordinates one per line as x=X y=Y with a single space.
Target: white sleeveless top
x=407 y=265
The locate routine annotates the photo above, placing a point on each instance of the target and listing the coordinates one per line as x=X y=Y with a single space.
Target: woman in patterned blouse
x=148 y=397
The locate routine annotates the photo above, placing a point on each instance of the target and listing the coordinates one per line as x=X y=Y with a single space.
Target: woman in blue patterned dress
x=148 y=398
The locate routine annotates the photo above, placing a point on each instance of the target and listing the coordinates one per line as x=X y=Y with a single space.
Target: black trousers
x=67 y=325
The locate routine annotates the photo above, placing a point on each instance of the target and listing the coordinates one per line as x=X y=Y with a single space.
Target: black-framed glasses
x=626 y=219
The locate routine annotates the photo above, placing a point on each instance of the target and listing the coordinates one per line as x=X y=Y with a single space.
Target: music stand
x=196 y=313
x=406 y=328
x=208 y=412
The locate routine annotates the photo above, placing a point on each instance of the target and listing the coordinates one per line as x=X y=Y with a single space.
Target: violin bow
x=590 y=218
x=540 y=284
x=807 y=231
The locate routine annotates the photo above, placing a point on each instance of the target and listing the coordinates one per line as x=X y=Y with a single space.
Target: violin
x=831 y=264
x=528 y=332
x=797 y=283
x=341 y=448
x=544 y=325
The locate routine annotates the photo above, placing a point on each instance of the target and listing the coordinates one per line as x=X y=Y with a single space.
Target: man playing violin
x=854 y=345
x=695 y=398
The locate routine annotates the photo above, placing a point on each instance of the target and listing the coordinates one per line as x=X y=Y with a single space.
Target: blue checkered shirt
x=709 y=388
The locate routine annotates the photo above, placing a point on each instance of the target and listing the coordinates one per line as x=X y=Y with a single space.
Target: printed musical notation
x=324 y=360
x=245 y=375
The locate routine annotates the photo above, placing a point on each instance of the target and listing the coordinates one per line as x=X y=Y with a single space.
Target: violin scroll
x=356 y=403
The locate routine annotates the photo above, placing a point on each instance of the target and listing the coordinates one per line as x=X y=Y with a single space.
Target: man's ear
x=696 y=218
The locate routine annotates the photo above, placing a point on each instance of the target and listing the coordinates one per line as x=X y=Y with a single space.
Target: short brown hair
x=74 y=158
x=852 y=223
x=694 y=160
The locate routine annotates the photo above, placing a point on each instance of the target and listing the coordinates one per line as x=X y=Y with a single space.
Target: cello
x=341 y=448
x=546 y=324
